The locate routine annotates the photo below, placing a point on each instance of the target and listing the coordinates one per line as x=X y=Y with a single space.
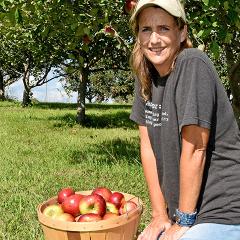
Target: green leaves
x=215 y=49
x=18 y=16
x=206 y=2
x=226 y=5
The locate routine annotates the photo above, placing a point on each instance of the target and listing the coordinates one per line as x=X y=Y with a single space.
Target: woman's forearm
x=191 y=172
x=192 y=164
x=150 y=171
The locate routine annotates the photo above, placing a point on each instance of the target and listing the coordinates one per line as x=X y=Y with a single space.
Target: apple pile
x=101 y=204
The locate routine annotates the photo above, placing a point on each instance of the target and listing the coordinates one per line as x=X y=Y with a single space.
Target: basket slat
x=73 y=236
x=56 y=234
x=128 y=230
x=98 y=236
x=85 y=236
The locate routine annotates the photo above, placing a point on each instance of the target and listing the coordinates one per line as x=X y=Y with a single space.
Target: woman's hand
x=156 y=226
x=173 y=233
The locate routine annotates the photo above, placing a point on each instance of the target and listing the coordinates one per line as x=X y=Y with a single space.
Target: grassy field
x=44 y=150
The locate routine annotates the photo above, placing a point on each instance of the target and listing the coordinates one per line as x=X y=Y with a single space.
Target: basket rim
x=90 y=226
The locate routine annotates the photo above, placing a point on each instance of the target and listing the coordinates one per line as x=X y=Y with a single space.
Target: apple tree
x=33 y=40
x=214 y=26
x=101 y=48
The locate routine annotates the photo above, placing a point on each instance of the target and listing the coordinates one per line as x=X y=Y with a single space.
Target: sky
x=50 y=92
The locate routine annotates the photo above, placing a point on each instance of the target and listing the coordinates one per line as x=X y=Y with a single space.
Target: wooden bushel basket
x=123 y=227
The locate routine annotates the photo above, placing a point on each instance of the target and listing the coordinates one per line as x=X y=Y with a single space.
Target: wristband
x=185 y=219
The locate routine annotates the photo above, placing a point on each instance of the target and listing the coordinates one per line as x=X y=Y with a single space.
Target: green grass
x=44 y=150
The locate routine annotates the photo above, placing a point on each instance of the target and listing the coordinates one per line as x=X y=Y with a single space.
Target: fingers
x=153 y=230
x=160 y=235
x=150 y=234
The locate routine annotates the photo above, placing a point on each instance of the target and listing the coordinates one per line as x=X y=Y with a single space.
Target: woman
x=189 y=138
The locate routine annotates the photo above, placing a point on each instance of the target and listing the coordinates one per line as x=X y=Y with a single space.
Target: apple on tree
x=117 y=199
x=71 y=204
x=127 y=207
x=129 y=6
x=93 y=203
x=64 y=193
x=103 y=191
x=89 y=217
x=86 y=39
x=53 y=210
x=109 y=30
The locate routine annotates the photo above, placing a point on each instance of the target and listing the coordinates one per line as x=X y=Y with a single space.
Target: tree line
x=87 y=44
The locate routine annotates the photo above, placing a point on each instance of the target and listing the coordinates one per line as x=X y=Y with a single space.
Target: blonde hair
x=142 y=67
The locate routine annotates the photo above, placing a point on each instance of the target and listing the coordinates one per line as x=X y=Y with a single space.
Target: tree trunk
x=27 y=98
x=2 y=92
x=27 y=95
x=235 y=86
x=234 y=81
x=81 y=116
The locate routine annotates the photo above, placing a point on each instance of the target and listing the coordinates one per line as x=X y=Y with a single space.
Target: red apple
x=109 y=215
x=71 y=204
x=53 y=210
x=109 y=30
x=104 y=192
x=127 y=207
x=65 y=217
x=110 y=207
x=64 y=193
x=93 y=203
x=89 y=217
x=86 y=39
x=129 y=5
x=117 y=199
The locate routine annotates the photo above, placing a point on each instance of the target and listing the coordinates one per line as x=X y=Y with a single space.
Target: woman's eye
x=164 y=29
x=146 y=30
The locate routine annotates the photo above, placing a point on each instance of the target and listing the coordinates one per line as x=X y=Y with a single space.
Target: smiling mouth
x=156 y=50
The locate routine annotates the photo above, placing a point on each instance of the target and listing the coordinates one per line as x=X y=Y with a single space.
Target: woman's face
x=159 y=38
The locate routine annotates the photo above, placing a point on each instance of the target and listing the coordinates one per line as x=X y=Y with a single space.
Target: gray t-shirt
x=193 y=94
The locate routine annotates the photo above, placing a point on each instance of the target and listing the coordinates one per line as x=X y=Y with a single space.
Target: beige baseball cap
x=174 y=7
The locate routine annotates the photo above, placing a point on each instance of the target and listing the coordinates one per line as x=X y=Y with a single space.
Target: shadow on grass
x=73 y=106
x=119 y=119
x=109 y=152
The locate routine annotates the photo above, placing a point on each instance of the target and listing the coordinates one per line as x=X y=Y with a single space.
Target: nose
x=154 y=38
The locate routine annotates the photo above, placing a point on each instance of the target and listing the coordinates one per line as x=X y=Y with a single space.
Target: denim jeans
x=212 y=231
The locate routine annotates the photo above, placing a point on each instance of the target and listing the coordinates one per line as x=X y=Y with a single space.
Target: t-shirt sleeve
x=195 y=94
x=138 y=108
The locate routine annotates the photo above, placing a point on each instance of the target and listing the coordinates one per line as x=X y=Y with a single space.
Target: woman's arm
x=150 y=171
x=160 y=221
x=192 y=163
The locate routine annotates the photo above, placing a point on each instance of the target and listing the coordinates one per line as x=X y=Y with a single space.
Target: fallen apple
x=65 y=217
x=110 y=207
x=53 y=210
x=109 y=215
x=104 y=192
x=64 y=193
x=89 y=217
x=117 y=199
x=93 y=203
x=71 y=204
x=127 y=207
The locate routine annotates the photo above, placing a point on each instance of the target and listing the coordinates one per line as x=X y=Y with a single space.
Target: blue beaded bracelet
x=185 y=219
